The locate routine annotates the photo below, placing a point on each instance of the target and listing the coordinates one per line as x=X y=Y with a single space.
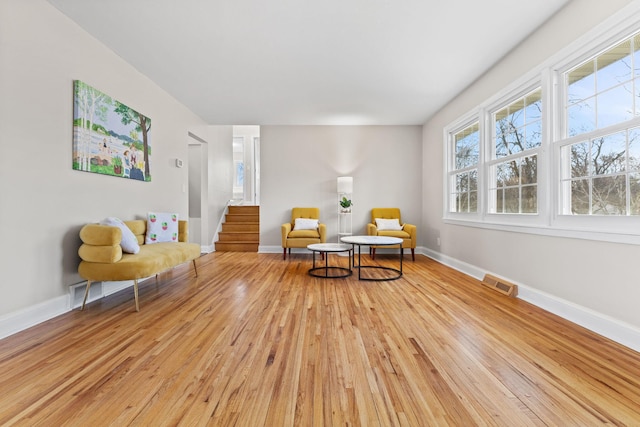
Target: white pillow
x=388 y=224
x=305 y=224
x=129 y=242
x=161 y=227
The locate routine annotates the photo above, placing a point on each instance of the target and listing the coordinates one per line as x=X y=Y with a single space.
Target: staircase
x=240 y=230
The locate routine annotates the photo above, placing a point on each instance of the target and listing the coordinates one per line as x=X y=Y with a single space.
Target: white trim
x=25 y=318
x=613 y=329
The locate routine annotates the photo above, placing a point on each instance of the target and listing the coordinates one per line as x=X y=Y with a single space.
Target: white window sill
x=577 y=230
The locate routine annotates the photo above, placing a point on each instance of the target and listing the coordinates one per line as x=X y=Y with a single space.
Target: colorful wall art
x=108 y=137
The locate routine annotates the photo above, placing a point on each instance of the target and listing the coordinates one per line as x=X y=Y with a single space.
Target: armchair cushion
x=305 y=224
x=388 y=224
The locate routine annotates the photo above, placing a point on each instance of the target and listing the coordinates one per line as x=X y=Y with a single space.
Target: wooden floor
x=255 y=341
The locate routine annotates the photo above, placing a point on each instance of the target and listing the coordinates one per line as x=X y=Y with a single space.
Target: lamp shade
x=345 y=184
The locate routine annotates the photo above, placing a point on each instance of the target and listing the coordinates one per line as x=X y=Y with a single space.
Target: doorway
x=246 y=165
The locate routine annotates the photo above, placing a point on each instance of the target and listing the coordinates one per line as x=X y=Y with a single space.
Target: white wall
x=43 y=201
x=598 y=279
x=302 y=163
x=220 y=176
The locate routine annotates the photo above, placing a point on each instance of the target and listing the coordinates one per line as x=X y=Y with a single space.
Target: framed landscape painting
x=109 y=138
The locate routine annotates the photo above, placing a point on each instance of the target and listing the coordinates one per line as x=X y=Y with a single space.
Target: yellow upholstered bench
x=103 y=259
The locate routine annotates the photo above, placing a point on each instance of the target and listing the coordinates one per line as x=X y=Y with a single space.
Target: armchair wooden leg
x=413 y=254
x=135 y=293
x=373 y=253
x=284 y=253
x=86 y=293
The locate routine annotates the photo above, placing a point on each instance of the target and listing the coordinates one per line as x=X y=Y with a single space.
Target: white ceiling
x=287 y=62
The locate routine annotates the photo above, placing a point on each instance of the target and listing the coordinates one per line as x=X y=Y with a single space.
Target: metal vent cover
x=500 y=285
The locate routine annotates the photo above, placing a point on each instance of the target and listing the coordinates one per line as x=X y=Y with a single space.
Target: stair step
x=236 y=247
x=244 y=209
x=242 y=218
x=238 y=236
x=241 y=226
x=241 y=230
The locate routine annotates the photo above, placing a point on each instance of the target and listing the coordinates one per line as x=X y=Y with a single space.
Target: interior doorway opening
x=246 y=165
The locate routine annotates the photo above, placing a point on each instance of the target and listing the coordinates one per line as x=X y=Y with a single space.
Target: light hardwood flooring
x=255 y=341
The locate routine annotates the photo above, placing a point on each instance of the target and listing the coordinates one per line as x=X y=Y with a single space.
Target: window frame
x=492 y=160
x=450 y=131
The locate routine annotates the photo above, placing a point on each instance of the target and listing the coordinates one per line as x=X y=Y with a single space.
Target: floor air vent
x=500 y=285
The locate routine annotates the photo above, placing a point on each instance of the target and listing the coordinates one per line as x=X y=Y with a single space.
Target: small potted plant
x=345 y=205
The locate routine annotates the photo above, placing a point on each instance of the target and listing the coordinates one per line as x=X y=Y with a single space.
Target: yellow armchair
x=408 y=233
x=306 y=233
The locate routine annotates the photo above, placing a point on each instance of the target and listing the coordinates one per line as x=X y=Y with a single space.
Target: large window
x=464 y=171
x=559 y=151
x=517 y=135
x=600 y=155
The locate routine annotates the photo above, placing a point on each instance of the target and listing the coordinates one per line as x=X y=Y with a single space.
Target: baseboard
x=620 y=332
x=24 y=319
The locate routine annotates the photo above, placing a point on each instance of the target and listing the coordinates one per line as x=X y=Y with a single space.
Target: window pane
x=530 y=199
x=581 y=83
x=634 y=190
x=473 y=201
x=609 y=195
x=608 y=154
x=580 y=159
x=634 y=149
x=500 y=200
x=533 y=135
x=473 y=180
x=614 y=66
x=533 y=110
x=581 y=117
x=580 y=197
x=462 y=182
x=516 y=113
x=615 y=106
x=529 y=170
x=512 y=200
x=463 y=205
x=467 y=147
x=509 y=143
x=507 y=174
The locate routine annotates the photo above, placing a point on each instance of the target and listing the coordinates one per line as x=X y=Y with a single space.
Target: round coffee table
x=326 y=249
x=375 y=241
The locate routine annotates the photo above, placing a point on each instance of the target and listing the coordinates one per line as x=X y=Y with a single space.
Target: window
x=463 y=176
x=600 y=155
x=513 y=171
x=558 y=151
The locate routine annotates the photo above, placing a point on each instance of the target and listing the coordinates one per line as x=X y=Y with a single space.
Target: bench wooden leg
x=135 y=293
x=195 y=269
x=86 y=293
